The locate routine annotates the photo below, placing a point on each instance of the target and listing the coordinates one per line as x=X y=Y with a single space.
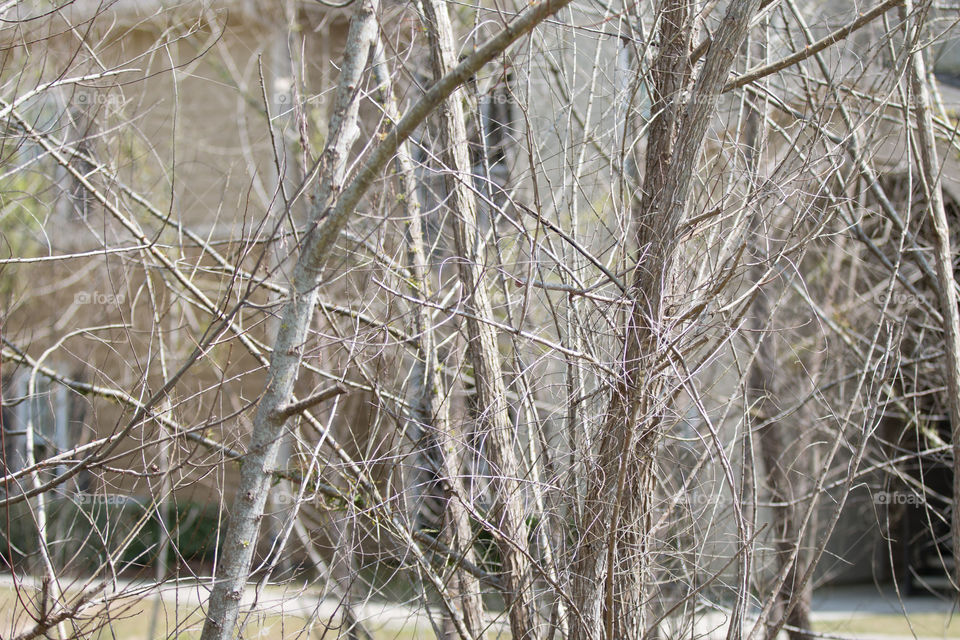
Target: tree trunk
x=256 y=470
x=611 y=564
x=495 y=424
x=328 y=216
x=930 y=172
x=439 y=454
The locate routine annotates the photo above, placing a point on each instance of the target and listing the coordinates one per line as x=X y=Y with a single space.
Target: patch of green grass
x=130 y=618
x=931 y=625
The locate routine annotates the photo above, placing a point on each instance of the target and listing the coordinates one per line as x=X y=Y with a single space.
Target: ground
x=861 y=613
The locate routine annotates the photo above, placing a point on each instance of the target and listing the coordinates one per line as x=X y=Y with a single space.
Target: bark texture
x=928 y=161
x=494 y=419
x=256 y=469
x=439 y=453
x=334 y=204
x=611 y=570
